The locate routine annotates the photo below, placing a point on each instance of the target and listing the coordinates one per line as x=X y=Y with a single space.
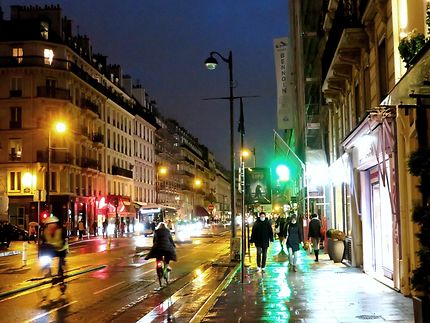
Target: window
x=15 y=181
x=48 y=54
x=44 y=30
x=16 y=86
x=382 y=70
x=15 y=149
x=15 y=121
x=18 y=53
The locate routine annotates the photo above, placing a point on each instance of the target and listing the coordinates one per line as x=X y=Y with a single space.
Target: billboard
x=257 y=186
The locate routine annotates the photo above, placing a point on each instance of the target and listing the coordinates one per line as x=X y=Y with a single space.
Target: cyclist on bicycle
x=54 y=242
x=163 y=245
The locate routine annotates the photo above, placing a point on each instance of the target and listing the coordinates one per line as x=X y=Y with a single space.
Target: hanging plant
x=428 y=18
x=410 y=45
x=419 y=165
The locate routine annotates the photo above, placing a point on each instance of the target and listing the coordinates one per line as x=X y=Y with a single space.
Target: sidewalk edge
x=201 y=313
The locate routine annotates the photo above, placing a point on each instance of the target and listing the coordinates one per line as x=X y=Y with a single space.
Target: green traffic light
x=283 y=173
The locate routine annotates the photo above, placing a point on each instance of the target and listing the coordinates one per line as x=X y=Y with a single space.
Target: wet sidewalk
x=317 y=292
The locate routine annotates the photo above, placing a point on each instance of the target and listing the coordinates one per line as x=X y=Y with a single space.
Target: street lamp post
x=59 y=127
x=211 y=64
x=161 y=171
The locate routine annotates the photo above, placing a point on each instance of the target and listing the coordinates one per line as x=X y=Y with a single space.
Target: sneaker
x=258 y=268
x=294 y=268
x=263 y=269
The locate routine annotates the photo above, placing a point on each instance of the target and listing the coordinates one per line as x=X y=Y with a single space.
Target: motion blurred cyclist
x=163 y=245
x=54 y=242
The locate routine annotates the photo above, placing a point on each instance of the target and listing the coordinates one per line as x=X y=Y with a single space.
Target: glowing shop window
x=49 y=56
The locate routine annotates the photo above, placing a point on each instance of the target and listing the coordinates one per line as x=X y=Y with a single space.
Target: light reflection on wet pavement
x=317 y=292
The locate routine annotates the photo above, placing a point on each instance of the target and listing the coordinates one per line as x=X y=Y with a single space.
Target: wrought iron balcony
x=90 y=163
x=57 y=157
x=97 y=137
x=122 y=172
x=53 y=92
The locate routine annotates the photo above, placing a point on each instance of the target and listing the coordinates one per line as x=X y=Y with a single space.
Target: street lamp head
x=245 y=153
x=162 y=170
x=60 y=127
x=211 y=63
x=197 y=182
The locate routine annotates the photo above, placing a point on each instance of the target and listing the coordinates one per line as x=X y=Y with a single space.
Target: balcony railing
x=53 y=92
x=15 y=156
x=88 y=104
x=15 y=125
x=122 y=172
x=57 y=157
x=15 y=93
x=90 y=163
x=97 y=137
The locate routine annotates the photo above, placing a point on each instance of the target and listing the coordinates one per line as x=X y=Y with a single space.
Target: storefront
x=370 y=149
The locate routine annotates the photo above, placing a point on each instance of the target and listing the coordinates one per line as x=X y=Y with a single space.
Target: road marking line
x=50 y=312
x=145 y=272
x=107 y=288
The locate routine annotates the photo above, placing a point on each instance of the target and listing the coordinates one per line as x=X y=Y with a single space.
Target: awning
x=201 y=211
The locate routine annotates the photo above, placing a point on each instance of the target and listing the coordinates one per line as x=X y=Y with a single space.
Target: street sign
x=211 y=207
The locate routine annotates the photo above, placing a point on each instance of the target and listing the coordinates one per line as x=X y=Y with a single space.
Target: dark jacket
x=163 y=245
x=262 y=233
x=314 y=228
x=282 y=224
x=295 y=236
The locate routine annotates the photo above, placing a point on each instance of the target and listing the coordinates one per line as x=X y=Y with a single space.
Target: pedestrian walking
x=314 y=234
x=81 y=228
x=105 y=225
x=294 y=239
x=261 y=236
x=281 y=230
x=95 y=228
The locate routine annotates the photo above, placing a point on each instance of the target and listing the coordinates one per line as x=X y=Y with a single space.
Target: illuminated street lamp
x=197 y=183
x=211 y=63
x=58 y=127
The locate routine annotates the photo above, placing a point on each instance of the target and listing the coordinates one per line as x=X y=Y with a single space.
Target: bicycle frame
x=162 y=272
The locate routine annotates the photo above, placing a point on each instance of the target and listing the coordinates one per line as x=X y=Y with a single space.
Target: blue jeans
x=261 y=256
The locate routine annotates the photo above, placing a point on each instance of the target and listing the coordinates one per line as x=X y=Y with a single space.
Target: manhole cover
x=368 y=317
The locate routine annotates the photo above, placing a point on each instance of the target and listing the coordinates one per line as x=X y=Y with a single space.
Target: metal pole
x=48 y=169
x=232 y=175
x=242 y=184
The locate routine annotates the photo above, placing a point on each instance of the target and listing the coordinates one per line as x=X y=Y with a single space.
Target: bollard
x=24 y=253
x=108 y=245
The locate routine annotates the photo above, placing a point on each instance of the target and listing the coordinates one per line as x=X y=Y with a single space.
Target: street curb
x=47 y=281
x=210 y=302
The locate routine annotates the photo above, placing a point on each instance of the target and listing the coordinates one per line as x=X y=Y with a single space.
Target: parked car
x=10 y=232
x=18 y=233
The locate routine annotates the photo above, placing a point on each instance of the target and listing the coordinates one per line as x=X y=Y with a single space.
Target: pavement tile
x=317 y=292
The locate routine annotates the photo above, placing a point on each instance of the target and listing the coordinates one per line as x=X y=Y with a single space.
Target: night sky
x=164 y=43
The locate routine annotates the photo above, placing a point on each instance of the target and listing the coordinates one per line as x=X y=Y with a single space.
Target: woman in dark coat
x=295 y=238
x=261 y=236
x=163 y=245
x=314 y=234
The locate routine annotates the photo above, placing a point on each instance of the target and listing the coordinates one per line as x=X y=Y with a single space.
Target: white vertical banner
x=285 y=107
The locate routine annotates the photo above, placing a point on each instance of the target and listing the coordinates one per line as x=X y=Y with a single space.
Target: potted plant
x=410 y=45
x=336 y=244
x=419 y=165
